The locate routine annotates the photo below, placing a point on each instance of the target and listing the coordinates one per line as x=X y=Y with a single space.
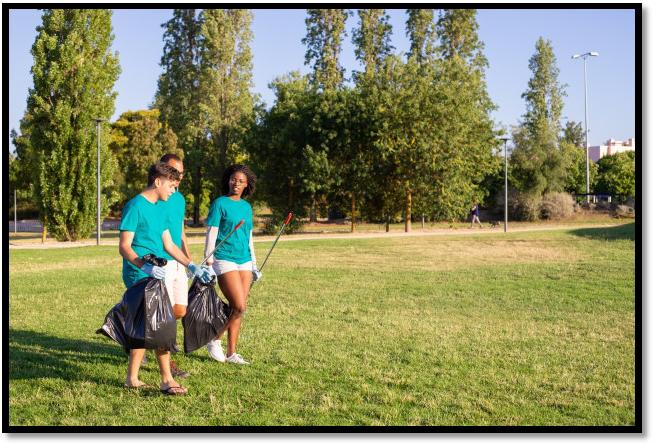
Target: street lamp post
x=15 y=214
x=506 y=186
x=585 y=56
x=97 y=124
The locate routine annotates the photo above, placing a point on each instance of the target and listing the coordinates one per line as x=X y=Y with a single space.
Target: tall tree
x=325 y=33
x=464 y=135
x=372 y=39
x=226 y=103
x=178 y=98
x=74 y=73
x=354 y=161
x=421 y=30
x=538 y=165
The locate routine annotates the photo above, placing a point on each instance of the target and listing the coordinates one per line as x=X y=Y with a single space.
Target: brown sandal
x=168 y=391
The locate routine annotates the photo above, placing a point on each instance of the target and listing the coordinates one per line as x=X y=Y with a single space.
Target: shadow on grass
x=38 y=355
x=623 y=232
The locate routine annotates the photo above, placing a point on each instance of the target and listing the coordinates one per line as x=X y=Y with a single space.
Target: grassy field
x=530 y=328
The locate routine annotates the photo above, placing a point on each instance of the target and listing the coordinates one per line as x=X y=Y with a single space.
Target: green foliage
x=204 y=93
x=138 y=140
x=226 y=105
x=617 y=174
x=575 y=162
x=421 y=30
x=423 y=131
x=74 y=73
x=538 y=164
x=325 y=32
x=574 y=134
x=282 y=156
x=178 y=98
x=372 y=40
x=544 y=96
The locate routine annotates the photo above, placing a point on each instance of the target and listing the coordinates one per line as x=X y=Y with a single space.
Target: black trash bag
x=144 y=318
x=206 y=315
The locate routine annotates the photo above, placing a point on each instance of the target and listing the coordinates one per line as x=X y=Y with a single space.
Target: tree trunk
x=407 y=222
x=45 y=231
x=196 y=200
x=354 y=213
x=388 y=222
x=312 y=210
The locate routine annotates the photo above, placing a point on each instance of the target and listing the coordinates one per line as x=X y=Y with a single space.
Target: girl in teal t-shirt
x=234 y=262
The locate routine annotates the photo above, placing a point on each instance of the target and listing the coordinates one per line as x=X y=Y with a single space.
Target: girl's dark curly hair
x=229 y=171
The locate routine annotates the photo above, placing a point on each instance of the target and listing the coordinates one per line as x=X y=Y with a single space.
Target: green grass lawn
x=530 y=328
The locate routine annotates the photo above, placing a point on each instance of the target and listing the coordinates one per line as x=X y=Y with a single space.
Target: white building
x=612 y=147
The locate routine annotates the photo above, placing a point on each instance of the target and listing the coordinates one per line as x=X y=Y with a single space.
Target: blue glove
x=154 y=271
x=202 y=272
x=256 y=275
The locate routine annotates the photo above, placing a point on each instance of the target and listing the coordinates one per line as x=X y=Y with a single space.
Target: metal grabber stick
x=288 y=218
x=221 y=243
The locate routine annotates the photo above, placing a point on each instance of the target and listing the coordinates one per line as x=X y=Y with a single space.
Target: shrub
x=522 y=206
x=557 y=206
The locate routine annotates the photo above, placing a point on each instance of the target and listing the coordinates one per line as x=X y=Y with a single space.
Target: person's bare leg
x=232 y=287
x=167 y=381
x=235 y=328
x=135 y=357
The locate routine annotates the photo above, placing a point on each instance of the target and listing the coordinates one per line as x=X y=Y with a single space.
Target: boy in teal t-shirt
x=143 y=231
x=143 y=218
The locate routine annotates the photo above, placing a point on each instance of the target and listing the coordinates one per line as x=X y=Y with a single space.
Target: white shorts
x=222 y=266
x=176 y=283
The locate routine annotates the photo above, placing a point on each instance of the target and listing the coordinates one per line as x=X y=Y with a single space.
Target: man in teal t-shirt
x=143 y=230
x=174 y=210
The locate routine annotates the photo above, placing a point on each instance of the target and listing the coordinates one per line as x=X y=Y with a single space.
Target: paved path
x=417 y=232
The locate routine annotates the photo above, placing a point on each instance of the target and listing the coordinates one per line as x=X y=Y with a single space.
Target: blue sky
x=509 y=36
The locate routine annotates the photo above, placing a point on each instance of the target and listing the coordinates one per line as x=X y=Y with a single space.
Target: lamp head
x=594 y=54
x=576 y=56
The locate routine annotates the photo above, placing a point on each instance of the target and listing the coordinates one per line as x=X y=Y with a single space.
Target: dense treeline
x=410 y=134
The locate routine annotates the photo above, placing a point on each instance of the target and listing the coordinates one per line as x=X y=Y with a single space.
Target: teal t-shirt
x=225 y=213
x=148 y=224
x=175 y=210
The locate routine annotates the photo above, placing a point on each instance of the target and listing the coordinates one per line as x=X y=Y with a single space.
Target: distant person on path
x=144 y=230
x=234 y=263
x=474 y=211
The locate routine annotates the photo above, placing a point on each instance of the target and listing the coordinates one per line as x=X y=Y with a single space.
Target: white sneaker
x=237 y=359
x=216 y=350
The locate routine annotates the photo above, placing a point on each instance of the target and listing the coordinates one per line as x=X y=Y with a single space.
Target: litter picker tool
x=225 y=239
x=288 y=218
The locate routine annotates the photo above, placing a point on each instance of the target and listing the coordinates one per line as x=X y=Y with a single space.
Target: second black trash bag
x=143 y=319
x=206 y=315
